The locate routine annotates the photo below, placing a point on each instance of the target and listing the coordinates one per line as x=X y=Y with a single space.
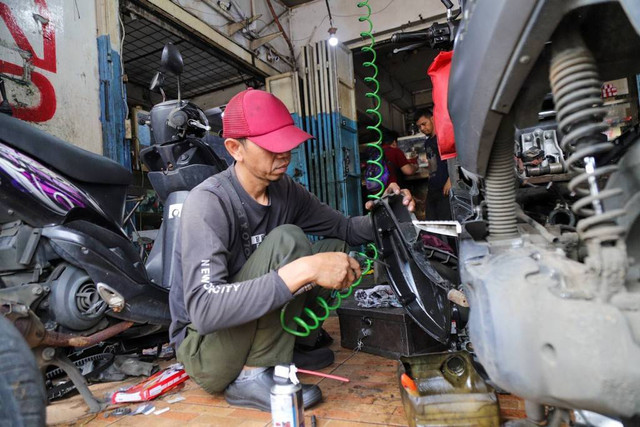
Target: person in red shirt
x=397 y=162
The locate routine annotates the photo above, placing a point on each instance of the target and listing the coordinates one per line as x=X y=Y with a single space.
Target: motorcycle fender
x=111 y=259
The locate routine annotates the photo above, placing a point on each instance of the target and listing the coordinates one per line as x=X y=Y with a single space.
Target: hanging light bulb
x=333 y=40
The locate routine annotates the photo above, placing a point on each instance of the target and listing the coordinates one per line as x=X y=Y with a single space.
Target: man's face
x=264 y=164
x=425 y=124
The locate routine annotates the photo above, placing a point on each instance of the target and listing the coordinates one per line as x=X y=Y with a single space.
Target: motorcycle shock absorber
x=575 y=85
x=304 y=327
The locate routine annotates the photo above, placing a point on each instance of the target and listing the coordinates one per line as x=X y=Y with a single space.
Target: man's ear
x=235 y=148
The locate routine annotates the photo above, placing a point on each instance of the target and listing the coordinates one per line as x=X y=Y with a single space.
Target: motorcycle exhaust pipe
x=58 y=339
x=35 y=334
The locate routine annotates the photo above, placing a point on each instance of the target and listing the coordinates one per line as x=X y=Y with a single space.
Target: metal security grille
x=204 y=70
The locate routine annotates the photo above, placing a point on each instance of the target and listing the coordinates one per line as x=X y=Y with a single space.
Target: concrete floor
x=371 y=398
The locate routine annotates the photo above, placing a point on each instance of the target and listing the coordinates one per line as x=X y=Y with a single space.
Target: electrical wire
x=314 y=321
x=329 y=12
x=284 y=34
x=341 y=16
x=122 y=85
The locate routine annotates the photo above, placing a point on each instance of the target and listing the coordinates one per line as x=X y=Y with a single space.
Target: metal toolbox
x=387 y=332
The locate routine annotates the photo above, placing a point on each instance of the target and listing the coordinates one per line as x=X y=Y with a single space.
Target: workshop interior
x=519 y=305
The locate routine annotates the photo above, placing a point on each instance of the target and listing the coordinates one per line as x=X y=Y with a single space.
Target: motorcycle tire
x=22 y=391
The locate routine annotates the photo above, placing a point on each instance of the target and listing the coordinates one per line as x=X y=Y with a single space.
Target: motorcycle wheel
x=22 y=392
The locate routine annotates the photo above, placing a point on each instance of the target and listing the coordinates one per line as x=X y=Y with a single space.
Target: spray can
x=287 y=409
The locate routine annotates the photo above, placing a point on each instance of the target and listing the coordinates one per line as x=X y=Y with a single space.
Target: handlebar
x=413 y=36
x=438 y=36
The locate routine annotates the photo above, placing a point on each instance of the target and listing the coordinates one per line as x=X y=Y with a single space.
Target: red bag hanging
x=439 y=73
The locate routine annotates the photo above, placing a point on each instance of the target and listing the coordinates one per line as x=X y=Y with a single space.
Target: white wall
x=310 y=21
x=218 y=98
x=61 y=94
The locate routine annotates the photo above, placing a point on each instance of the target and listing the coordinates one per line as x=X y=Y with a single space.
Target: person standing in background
x=396 y=159
x=437 y=204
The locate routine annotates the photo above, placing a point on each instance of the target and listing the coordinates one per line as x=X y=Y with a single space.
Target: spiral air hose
x=375 y=109
x=304 y=328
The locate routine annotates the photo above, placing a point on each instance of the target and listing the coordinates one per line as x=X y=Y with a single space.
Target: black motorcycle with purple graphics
x=70 y=277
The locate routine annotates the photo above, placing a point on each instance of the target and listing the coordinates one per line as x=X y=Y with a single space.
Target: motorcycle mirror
x=214 y=117
x=171 y=60
x=157 y=81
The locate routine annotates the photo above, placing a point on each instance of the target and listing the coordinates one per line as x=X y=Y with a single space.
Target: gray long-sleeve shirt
x=209 y=248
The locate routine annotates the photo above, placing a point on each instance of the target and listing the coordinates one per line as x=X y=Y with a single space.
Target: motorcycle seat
x=71 y=161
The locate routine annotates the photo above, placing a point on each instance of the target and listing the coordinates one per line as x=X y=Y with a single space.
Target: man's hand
x=447 y=187
x=335 y=270
x=394 y=188
x=331 y=270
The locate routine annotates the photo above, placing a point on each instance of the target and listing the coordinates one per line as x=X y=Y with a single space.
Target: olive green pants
x=213 y=361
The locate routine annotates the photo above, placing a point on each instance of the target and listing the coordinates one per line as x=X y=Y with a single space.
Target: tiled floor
x=370 y=398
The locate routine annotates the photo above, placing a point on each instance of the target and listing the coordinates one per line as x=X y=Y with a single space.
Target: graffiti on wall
x=28 y=72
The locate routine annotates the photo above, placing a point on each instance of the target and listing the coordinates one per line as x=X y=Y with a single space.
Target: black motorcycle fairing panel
x=153 y=263
x=111 y=259
x=164 y=113
x=420 y=288
x=111 y=198
x=182 y=179
x=40 y=196
x=68 y=159
x=112 y=249
x=482 y=51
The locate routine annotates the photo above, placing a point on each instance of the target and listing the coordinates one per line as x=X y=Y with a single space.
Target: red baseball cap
x=264 y=119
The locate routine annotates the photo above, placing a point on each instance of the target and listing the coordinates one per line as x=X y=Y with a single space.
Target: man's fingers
x=355 y=267
x=393 y=188
x=351 y=277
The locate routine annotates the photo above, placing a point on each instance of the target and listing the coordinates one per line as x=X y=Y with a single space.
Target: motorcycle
x=547 y=204
x=70 y=277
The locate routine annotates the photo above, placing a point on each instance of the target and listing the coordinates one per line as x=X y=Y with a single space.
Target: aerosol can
x=287 y=409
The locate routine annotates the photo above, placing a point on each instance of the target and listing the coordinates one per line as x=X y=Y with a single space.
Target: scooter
x=548 y=206
x=70 y=277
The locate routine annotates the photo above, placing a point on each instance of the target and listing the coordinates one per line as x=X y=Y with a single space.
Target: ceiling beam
x=397 y=94
x=190 y=23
